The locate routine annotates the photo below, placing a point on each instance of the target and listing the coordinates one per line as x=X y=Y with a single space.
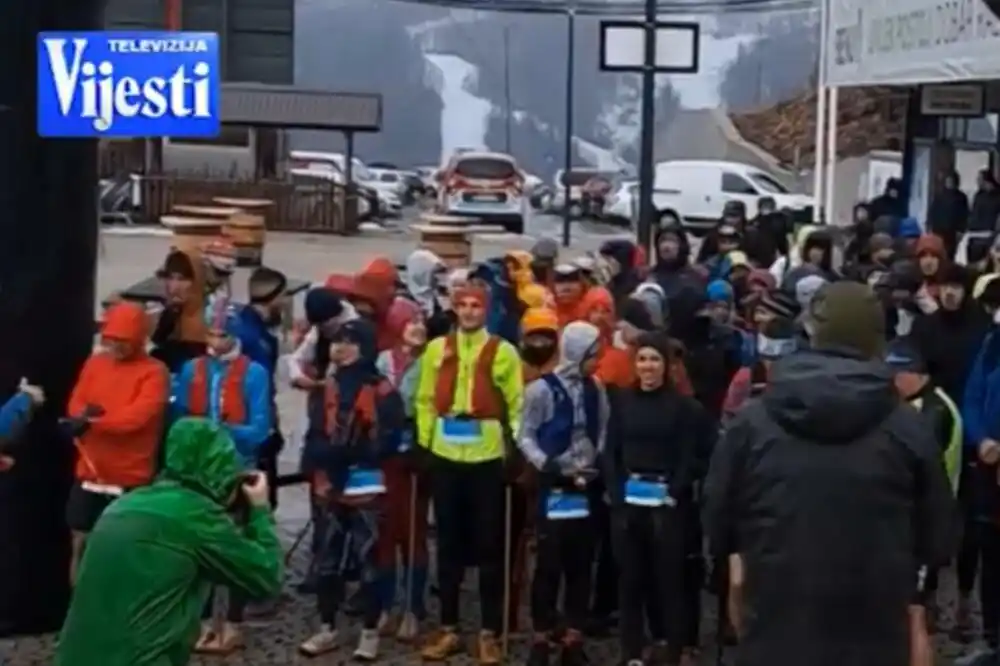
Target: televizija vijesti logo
x=94 y=89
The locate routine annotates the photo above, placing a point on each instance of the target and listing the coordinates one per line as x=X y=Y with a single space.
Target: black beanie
x=658 y=341
x=322 y=305
x=634 y=312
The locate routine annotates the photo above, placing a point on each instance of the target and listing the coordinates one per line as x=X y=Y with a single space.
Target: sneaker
x=322 y=642
x=489 y=651
x=573 y=655
x=388 y=624
x=442 y=645
x=367 y=649
x=409 y=628
x=539 y=654
x=983 y=657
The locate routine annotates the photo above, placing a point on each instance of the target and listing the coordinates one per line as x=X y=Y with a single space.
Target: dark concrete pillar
x=48 y=261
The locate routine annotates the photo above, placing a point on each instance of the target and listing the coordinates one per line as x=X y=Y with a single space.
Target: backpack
x=559 y=428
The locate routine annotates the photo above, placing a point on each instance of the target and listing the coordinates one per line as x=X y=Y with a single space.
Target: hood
x=683 y=254
x=342 y=284
x=806 y=290
x=201 y=455
x=909 y=227
x=421 y=268
x=519 y=267
x=401 y=313
x=651 y=295
x=761 y=277
x=578 y=342
x=599 y=298
x=535 y=296
x=377 y=283
x=622 y=251
x=829 y=397
x=802 y=235
x=129 y=322
x=191 y=324
x=930 y=243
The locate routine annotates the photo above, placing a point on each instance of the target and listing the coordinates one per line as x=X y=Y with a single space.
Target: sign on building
x=896 y=42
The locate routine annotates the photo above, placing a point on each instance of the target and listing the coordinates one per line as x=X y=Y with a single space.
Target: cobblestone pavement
x=275 y=643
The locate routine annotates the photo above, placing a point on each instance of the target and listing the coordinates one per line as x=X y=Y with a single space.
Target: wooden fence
x=318 y=208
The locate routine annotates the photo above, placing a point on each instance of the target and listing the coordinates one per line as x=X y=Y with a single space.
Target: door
x=701 y=195
x=737 y=187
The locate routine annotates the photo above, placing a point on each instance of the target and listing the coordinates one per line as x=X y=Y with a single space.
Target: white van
x=694 y=192
x=487 y=186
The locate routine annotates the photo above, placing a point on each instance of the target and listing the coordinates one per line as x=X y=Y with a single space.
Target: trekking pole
x=411 y=549
x=298 y=541
x=508 y=545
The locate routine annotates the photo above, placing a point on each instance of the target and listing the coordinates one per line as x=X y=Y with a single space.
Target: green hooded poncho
x=152 y=556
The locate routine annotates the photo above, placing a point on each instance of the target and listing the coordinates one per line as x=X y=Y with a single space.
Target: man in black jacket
x=833 y=493
x=949 y=213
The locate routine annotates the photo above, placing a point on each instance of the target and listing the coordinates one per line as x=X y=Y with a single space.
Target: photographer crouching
x=145 y=574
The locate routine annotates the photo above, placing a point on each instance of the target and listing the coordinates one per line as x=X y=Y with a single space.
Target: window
x=485 y=168
x=733 y=184
x=389 y=178
x=768 y=184
x=230 y=136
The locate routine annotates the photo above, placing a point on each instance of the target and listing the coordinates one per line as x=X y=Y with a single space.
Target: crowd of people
x=811 y=437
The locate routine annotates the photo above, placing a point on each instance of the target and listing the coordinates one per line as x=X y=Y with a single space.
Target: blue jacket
x=256 y=339
x=14 y=415
x=503 y=317
x=981 y=403
x=247 y=437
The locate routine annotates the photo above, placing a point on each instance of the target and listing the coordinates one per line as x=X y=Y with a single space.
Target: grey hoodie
x=421 y=266
x=577 y=342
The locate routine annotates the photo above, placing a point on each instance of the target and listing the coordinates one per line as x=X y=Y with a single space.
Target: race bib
x=641 y=492
x=563 y=505
x=102 y=489
x=364 y=482
x=461 y=431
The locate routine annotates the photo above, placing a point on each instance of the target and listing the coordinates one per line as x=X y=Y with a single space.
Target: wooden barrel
x=451 y=245
x=192 y=234
x=246 y=230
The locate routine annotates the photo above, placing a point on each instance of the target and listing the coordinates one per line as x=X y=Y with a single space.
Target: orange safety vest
x=484 y=402
x=233 y=407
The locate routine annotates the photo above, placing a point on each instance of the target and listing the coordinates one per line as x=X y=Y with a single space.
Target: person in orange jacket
x=116 y=412
x=375 y=295
x=614 y=364
x=568 y=289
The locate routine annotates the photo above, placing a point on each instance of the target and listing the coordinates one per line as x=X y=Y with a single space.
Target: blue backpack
x=556 y=434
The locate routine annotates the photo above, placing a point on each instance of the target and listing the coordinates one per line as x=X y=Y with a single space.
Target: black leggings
x=234 y=609
x=650 y=547
x=967 y=561
x=564 y=553
x=469 y=504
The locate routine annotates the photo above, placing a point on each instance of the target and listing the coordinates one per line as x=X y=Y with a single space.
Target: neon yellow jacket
x=953 y=452
x=508 y=380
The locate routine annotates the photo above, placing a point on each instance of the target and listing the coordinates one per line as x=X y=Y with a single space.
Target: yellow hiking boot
x=441 y=645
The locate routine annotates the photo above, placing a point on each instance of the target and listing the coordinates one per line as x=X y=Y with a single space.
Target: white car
x=622 y=205
x=388 y=180
x=307 y=180
x=694 y=192
x=486 y=186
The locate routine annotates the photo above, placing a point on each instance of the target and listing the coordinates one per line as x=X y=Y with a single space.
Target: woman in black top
x=657 y=449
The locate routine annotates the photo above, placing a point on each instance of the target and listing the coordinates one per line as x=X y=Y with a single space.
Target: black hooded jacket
x=627 y=279
x=834 y=492
x=672 y=276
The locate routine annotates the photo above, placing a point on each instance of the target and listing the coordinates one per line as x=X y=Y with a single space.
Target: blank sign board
x=623 y=47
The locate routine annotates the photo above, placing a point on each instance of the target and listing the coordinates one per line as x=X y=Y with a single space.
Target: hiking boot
x=488 y=649
x=539 y=654
x=367 y=649
x=441 y=645
x=322 y=642
x=221 y=642
x=573 y=655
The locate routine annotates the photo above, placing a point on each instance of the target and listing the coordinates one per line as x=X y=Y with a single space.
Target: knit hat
x=322 y=305
x=780 y=303
x=719 y=291
x=909 y=227
x=848 y=315
x=545 y=249
x=652 y=297
x=952 y=273
x=738 y=258
x=634 y=312
x=537 y=320
x=903 y=356
x=475 y=293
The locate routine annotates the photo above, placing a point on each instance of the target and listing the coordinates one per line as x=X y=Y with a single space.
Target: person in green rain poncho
x=155 y=551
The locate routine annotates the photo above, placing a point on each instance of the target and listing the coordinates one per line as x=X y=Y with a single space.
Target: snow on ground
x=701 y=90
x=465 y=117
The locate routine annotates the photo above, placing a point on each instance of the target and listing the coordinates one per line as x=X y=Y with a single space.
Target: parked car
x=621 y=205
x=485 y=185
x=309 y=181
x=694 y=192
x=588 y=189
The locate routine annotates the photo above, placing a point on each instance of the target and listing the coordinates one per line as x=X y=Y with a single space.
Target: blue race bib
x=641 y=492
x=566 y=505
x=406 y=440
x=364 y=482
x=461 y=431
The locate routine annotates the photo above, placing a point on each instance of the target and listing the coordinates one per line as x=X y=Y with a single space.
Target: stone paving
x=273 y=643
